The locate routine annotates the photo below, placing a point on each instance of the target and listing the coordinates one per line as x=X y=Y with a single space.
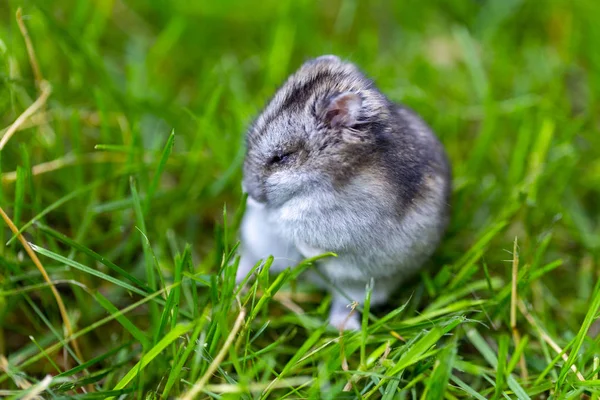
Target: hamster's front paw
x=343 y=317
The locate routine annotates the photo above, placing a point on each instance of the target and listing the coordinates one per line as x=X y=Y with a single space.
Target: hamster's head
x=315 y=134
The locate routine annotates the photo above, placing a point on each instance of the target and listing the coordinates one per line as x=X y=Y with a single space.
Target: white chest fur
x=362 y=227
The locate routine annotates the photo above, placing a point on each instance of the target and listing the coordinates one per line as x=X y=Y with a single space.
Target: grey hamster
x=332 y=165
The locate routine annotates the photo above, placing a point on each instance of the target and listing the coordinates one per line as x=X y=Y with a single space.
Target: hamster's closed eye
x=281 y=158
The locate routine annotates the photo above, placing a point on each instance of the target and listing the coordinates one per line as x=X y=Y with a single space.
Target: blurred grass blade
x=19 y=195
x=148 y=256
x=95 y=360
x=501 y=370
x=123 y=320
x=469 y=390
x=159 y=170
x=171 y=309
x=62 y=201
x=537 y=158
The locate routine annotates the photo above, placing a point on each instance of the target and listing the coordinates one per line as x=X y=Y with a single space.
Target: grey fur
x=333 y=165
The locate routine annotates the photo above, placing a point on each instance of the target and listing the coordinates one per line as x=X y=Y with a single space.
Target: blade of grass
x=537 y=158
x=176 y=292
x=417 y=351
x=148 y=258
x=469 y=390
x=159 y=170
x=199 y=385
x=501 y=371
x=365 y=324
x=32 y=109
x=55 y=332
x=590 y=317
x=91 y=271
x=475 y=252
x=95 y=360
x=513 y=311
x=101 y=259
x=123 y=320
x=438 y=381
x=168 y=311
x=152 y=354
x=19 y=195
x=391 y=390
x=487 y=353
x=35 y=66
x=174 y=375
x=310 y=342
x=40 y=267
x=517 y=355
x=64 y=200
x=34 y=358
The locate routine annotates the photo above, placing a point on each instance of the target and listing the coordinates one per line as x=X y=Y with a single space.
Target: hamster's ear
x=328 y=58
x=342 y=110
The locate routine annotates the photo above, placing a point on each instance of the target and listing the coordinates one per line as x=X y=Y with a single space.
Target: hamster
x=332 y=165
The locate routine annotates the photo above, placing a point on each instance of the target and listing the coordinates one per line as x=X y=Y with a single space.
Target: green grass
x=127 y=185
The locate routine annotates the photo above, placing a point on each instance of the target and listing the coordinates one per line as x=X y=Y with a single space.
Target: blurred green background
x=511 y=88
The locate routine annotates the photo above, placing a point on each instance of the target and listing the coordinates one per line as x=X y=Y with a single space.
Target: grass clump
x=123 y=179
